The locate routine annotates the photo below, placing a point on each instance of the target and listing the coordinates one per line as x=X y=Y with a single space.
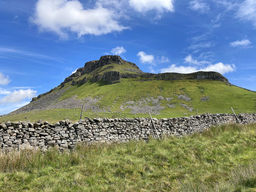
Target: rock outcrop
x=178 y=76
x=91 y=66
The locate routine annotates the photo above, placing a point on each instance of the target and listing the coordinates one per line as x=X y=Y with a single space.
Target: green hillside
x=219 y=96
x=220 y=159
x=112 y=87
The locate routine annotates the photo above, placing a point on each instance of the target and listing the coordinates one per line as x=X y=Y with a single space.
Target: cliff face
x=192 y=76
x=104 y=60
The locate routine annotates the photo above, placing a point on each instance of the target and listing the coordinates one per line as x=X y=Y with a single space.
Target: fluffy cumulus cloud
x=197 y=65
x=152 y=60
x=241 y=43
x=199 y=5
x=247 y=11
x=4 y=80
x=149 y=5
x=16 y=96
x=5 y=109
x=118 y=50
x=145 y=58
x=11 y=100
x=98 y=18
x=218 y=67
x=62 y=16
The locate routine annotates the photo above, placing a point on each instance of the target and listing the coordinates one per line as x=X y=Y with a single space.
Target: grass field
x=221 y=159
x=221 y=97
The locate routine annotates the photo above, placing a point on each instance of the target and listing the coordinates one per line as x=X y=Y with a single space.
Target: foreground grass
x=221 y=159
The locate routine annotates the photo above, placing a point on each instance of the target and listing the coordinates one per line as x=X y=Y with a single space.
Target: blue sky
x=44 y=41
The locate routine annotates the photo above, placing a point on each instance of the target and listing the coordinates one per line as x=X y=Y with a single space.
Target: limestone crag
x=104 y=60
x=108 y=77
x=91 y=66
x=65 y=135
x=201 y=75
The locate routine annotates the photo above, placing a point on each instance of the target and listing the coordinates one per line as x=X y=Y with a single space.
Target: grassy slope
x=222 y=98
x=223 y=157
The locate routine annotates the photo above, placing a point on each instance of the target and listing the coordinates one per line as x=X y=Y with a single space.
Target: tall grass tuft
x=220 y=159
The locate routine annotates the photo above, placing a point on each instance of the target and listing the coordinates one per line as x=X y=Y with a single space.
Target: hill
x=113 y=87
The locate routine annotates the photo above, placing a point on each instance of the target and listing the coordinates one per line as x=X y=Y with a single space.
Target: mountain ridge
x=79 y=77
x=112 y=85
x=132 y=71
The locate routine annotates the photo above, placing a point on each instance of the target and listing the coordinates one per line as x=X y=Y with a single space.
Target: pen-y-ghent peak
x=112 y=86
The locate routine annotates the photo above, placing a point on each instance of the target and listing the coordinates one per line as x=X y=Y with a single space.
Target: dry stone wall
x=65 y=135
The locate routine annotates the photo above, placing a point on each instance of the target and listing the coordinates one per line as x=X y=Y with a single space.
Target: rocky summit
x=113 y=87
x=107 y=69
x=111 y=68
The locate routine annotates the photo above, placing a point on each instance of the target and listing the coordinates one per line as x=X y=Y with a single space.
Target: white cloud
x=199 y=5
x=16 y=96
x=145 y=58
x=216 y=22
x=179 y=69
x=4 y=80
x=241 y=43
x=151 y=60
x=163 y=59
x=8 y=50
x=4 y=92
x=5 y=109
x=149 y=5
x=247 y=11
x=60 y=16
x=190 y=60
x=218 y=67
x=116 y=4
x=12 y=100
x=74 y=72
x=200 y=45
x=227 y=4
x=118 y=50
